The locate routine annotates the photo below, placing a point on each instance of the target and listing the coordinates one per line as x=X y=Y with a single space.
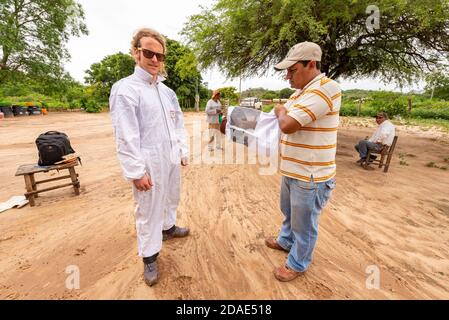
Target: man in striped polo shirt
x=309 y=122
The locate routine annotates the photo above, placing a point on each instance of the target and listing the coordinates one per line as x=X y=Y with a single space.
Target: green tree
x=270 y=94
x=183 y=75
x=438 y=85
x=247 y=37
x=229 y=93
x=33 y=34
x=58 y=86
x=205 y=93
x=286 y=93
x=104 y=74
x=254 y=92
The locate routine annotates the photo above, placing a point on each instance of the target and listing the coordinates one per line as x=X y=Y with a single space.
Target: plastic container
x=19 y=111
x=7 y=112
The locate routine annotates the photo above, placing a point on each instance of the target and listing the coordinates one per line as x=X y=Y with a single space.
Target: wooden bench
x=28 y=171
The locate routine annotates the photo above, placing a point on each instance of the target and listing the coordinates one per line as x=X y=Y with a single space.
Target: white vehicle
x=251 y=102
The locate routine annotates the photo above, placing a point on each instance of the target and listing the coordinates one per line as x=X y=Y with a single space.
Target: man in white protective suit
x=151 y=146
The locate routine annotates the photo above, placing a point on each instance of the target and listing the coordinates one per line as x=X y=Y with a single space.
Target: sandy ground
x=397 y=222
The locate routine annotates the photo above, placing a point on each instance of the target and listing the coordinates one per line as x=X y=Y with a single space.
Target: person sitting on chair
x=384 y=135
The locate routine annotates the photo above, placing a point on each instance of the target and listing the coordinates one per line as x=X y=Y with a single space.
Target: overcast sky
x=112 y=23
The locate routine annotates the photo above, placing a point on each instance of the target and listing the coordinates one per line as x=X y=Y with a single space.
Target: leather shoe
x=271 y=242
x=284 y=274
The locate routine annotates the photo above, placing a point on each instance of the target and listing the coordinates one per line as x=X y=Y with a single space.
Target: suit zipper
x=165 y=116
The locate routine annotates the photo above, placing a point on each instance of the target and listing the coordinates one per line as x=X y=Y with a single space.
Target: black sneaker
x=151 y=273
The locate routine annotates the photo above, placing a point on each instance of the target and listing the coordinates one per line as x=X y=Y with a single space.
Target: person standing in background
x=213 y=112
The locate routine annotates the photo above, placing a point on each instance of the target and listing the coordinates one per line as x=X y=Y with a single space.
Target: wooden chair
x=385 y=156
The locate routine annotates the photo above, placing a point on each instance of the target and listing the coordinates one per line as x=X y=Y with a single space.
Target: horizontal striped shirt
x=309 y=153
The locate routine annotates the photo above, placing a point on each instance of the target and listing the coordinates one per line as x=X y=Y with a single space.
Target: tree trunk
x=4 y=60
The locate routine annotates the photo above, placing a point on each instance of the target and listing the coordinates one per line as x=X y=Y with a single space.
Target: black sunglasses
x=150 y=54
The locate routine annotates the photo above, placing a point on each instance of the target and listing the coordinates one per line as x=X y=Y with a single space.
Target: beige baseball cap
x=303 y=51
x=215 y=93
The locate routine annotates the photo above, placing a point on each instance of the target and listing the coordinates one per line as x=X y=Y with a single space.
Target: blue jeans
x=363 y=146
x=301 y=204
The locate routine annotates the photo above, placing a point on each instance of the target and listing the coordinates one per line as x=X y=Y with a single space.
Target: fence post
x=359 y=109
x=197 y=103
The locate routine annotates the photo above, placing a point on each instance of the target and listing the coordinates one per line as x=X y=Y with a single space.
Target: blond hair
x=148 y=32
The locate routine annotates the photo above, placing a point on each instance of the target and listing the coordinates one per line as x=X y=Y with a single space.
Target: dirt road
x=396 y=222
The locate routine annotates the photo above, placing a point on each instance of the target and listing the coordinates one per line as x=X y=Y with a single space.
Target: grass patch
x=431 y=164
x=426 y=123
x=444 y=166
x=267 y=108
x=402 y=161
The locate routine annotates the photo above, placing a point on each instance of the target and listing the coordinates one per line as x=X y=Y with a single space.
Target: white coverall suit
x=150 y=137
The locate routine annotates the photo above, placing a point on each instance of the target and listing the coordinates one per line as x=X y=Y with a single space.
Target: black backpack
x=52 y=146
